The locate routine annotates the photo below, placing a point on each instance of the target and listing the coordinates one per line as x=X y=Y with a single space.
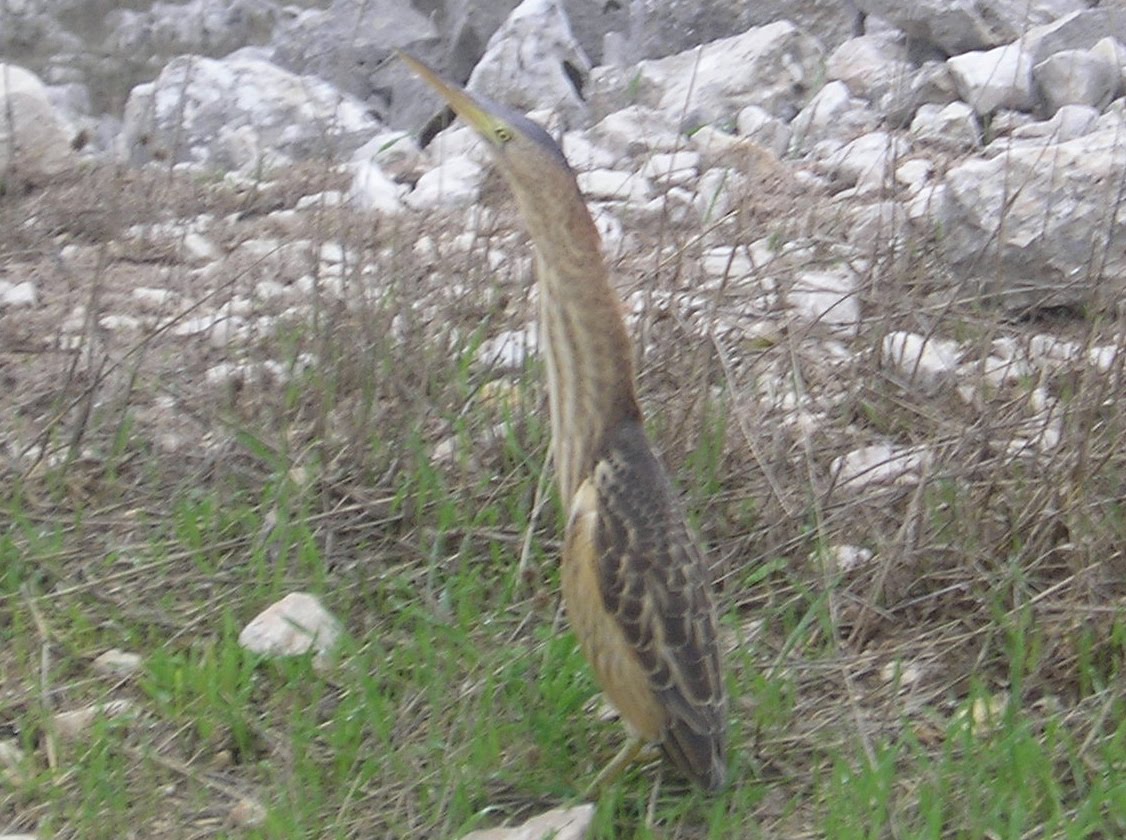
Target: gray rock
x=203 y=27
x=1079 y=30
x=629 y=31
x=351 y=45
x=956 y=26
x=1077 y=77
x=1032 y=226
x=240 y=113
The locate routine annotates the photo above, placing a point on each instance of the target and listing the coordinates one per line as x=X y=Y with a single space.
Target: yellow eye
x=502 y=133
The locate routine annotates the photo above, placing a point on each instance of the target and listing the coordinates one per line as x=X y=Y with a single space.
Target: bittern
x=635 y=586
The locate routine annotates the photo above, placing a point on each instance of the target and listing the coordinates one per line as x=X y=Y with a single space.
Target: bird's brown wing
x=656 y=587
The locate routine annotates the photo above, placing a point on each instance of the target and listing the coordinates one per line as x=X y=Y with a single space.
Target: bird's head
x=525 y=153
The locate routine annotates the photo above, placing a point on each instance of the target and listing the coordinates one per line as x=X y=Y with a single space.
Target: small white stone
x=455 y=183
x=328 y=198
x=119 y=323
x=618 y=185
x=903 y=674
x=73 y=724
x=225 y=373
x=295 y=625
x=194 y=326
x=727 y=261
x=924 y=360
x=153 y=298
x=332 y=253
x=826 y=297
x=914 y=173
x=117 y=663
x=929 y=205
x=372 y=190
x=18 y=294
x=584 y=155
x=199 y=249
x=716 y=190
x=247 y=813
x=507 y=350
x=993 y=79
x=678 y=167
x=843 y=558
x=998 y=371
x=878 y=464
x=227 y=331
x=1103 y=357
x=559 y=824
x=270 y=290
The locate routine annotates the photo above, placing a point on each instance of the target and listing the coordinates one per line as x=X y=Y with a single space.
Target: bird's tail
x=701 y=756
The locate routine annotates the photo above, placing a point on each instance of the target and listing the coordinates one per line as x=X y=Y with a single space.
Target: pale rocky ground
x=926 y=194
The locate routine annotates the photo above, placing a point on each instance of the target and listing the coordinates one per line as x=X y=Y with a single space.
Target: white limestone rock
x=508 y=350
x=757 y=124
x=874 y=66
x=526 y=60
x=558 y=824
x=1078 y=77
x=584 y=154
x=35 y=139
x=868 y=161
x=615 y=185
x=456 y=182
x=828 y=298
x=1069 y=122
x=18 y=295
x=635 y=128
x=239 y=113
x=925 y=361
x=117 y=663
x=953 y=126
x=1051 y=242
x=72 y=724
x=295 y=625
x=777 y=67
x=994 y=79
x=832 y=112
x=879 y=464
x=672 y=168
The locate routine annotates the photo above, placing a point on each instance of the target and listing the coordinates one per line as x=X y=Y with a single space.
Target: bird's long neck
x=582 y=335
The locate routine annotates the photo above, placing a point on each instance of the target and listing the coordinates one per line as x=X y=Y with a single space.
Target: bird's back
x=639 y=597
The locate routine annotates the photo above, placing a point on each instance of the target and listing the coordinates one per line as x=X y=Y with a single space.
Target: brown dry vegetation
x=149 y=507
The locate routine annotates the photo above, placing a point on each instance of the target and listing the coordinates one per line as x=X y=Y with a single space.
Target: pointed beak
x=458 y=98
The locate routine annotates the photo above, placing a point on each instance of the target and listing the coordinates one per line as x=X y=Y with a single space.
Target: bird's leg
x=614 y=769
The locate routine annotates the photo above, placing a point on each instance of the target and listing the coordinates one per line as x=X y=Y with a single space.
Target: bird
x=636 y=589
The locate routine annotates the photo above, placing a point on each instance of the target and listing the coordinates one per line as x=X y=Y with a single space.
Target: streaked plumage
x=635 y=586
